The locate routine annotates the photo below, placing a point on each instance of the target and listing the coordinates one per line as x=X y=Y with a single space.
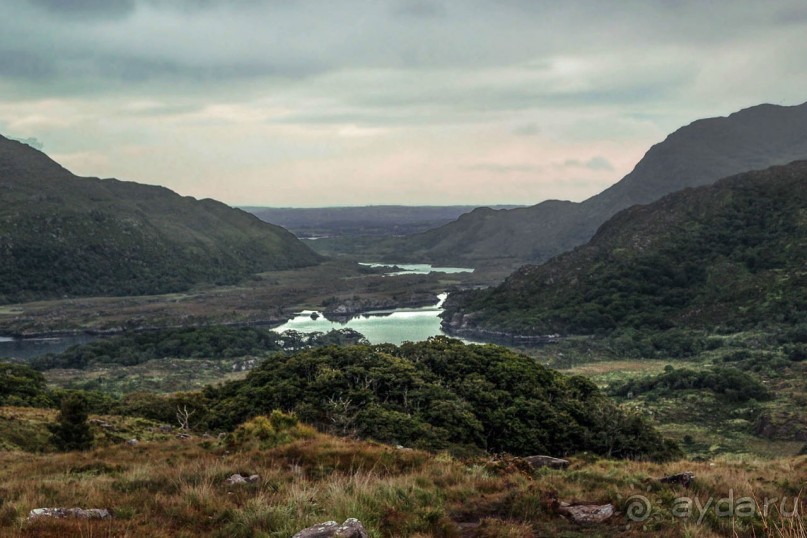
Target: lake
x=388 y=326
x=418 y=268
x=29 y=348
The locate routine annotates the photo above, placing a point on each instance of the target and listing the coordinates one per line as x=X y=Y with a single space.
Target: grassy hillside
x=697 y=154
x=172 y=487
x=728 y=256
x=62 y=235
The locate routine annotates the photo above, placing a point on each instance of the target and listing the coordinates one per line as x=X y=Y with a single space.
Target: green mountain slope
x=729 y=255
x=698 y=154
x=65 y=235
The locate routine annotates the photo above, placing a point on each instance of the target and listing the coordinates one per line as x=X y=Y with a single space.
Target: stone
x=351 y=528
x=546 y=461
x=132 y=442
x=587 y=514
x=62 y=513
x=241 y=479
x=235 y=479
x=683 y=479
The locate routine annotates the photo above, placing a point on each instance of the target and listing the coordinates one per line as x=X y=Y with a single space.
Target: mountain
x=374 y=220
x=63 y=235
x=730 y=255
x=698 y=154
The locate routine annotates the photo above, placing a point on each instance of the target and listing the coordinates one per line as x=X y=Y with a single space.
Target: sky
x=355 y=102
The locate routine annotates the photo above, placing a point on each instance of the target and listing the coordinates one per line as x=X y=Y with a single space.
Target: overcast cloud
x=317 y=102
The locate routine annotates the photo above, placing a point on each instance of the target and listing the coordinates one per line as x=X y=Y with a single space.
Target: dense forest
x=63 y=235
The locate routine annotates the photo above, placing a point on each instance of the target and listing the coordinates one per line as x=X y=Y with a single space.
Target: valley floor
x=267 y=299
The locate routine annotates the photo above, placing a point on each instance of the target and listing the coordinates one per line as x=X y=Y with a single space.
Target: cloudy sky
x=352 y=102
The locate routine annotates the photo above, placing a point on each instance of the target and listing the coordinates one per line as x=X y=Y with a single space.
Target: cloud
x=22 y=64
x=420 y=9
x=595 y=163
x=293 y=95
x=81 y=9
x=527 y=129
x=498 y=168
x=31 y=141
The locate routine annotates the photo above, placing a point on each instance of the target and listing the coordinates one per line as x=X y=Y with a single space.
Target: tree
x=72 y=431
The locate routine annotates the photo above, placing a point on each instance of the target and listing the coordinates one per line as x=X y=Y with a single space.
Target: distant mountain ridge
x=371 y=220
x=728 y=255
x=63 y=235
x=694 y=155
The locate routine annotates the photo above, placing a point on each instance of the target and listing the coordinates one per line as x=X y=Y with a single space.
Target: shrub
x=72 y=431
x=264 y=432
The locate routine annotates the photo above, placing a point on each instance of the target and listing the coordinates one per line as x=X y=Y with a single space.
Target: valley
x=266 y=299
x=673 y=341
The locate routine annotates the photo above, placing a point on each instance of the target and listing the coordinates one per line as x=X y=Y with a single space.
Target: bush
x=439 y=394
x=72 y=431
x=730 y=383
x=264 y=432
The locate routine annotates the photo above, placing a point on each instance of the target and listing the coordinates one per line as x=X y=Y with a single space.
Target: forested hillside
x=728 y=256
x=63 y=235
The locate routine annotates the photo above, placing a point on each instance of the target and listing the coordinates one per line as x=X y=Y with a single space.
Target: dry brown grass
x=176 y=488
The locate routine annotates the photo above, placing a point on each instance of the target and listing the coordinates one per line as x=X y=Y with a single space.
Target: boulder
x=351 y=528
x=241 y=479
x=546 y=461
x=78 y=513
x=587 y=514
x=132 y=442
x=683 y=479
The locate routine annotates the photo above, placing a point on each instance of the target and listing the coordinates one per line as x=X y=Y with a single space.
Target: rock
x=351 y=528
x=183 y=436
x=683 y=479
x=132 y=442
x=235 y=479
x=587 y=514
x=78 y=513
x=240 y=479
x=546 y=461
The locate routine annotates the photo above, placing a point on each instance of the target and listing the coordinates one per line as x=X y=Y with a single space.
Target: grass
x=704 y=424
x=25 y=429
x=158 y=375
x=175 y=487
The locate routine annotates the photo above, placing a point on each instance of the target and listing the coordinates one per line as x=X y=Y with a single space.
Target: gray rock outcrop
x=351 y=528
x=63 y=513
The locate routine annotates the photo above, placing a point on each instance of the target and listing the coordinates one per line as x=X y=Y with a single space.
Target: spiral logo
x=637 y=508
